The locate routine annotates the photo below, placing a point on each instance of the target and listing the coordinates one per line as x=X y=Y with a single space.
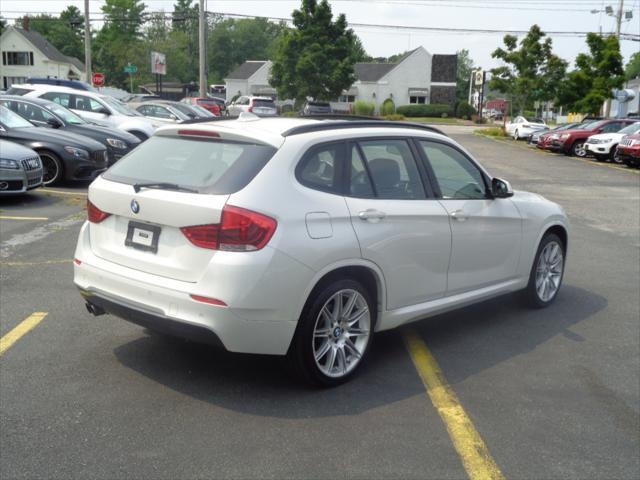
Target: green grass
x=491 y=132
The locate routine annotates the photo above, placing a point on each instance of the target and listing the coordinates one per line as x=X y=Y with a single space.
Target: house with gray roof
x=26 y=53
x=417 y=78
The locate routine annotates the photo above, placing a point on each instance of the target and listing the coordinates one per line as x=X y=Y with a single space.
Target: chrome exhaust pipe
x=94 y=309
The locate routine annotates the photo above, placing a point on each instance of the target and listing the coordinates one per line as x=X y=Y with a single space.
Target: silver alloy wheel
x=50 y=169
x=341 y=333
x=549 y=271
x=580 y=150
x=616 y=157
x=516 y=135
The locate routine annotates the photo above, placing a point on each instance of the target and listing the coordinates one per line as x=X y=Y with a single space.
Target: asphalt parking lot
x=552 y=393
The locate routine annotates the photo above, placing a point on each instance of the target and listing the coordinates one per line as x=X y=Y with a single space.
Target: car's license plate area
x=143 y=237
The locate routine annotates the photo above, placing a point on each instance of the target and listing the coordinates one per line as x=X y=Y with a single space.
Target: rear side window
x=18 y=91
x=208 y=166
x=63 y=99
x=320 y=168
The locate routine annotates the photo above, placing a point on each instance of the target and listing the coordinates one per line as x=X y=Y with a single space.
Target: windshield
x=594 y=125
x=184 y=109
x=203 y=112
x=119 y=107
x=534 y=120
x=12 y=120
x=630 y=129
x=216 y=167
x=67 y=115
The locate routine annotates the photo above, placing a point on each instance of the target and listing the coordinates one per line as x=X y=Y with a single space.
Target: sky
x=550 y=15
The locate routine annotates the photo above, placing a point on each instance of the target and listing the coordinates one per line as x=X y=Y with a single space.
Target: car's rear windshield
x=534 y=120
x=259 y=102
x=208 y=166
x=18 y=91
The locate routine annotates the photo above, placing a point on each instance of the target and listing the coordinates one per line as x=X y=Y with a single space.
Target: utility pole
x=87 y=41
x=619 y=18
x=202 y=52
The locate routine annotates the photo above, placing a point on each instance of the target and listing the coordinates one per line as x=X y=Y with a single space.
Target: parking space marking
x=20 y=330
x=472 y=450
x=62 y=192
x=7 y=217
x=34 y=264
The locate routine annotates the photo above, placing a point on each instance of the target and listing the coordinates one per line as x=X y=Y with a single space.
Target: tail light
x=239 y=231
x=94 y=214
x=250 y=109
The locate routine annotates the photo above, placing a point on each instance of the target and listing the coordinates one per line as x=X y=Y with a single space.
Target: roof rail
x=328 y=125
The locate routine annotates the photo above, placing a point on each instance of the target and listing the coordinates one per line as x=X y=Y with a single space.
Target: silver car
x=260 y=106
x=20 y=169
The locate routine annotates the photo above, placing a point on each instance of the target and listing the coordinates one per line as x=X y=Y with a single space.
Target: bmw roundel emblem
x=135 y=206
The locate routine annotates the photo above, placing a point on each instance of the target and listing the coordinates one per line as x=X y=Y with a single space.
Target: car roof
x=59 y=88
x=274 y=130
x=34 y=100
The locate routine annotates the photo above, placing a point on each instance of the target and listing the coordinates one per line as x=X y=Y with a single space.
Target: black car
x=64 y=155
x=316 y=108
x=45 y=113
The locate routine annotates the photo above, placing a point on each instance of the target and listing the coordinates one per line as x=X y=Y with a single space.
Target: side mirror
x=173 y=117
x=501 y=188
x=103 y=111
x=54 y=122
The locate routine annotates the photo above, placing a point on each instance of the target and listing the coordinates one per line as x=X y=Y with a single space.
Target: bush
x=387 y=108
x=364 y=108
x=480 y=121
x=395 y=117
x=289 y=114
x=444 y=115
x=287 y=108
x=432 y=110
x=492 y=132
x=463 y=109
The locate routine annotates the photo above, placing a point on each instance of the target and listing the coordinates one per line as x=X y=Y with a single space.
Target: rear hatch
x=263 y=107
x=183 y=179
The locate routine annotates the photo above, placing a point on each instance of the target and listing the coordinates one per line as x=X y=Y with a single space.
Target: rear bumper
x=261 y=316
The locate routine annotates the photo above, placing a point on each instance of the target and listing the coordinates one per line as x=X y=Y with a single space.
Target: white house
x=419 y=77
x=28 y=54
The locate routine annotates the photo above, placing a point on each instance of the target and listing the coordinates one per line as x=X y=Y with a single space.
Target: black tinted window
x=264 y=103
x=217 y=167
x=319 y=169
x=360 y=183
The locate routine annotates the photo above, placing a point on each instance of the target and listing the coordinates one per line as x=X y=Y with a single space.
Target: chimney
x=25 y=22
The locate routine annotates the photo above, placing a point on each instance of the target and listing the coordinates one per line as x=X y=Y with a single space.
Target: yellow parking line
x=7 y=217
x=33 y=264
x=19 y=331
x=61 y=192
x=467 y=441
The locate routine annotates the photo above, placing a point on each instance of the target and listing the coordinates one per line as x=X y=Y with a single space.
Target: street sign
x=97 y=79
x=479 y=77
x=158 y=63
x=130 y=69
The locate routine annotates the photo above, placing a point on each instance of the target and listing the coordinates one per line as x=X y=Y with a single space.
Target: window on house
x=9 y=81
x=347 y=98
x=418 y=99
x=17 y=58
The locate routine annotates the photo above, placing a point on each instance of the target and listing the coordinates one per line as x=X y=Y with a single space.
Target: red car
x=629 y=150
x=572 y=141
x=210 y=104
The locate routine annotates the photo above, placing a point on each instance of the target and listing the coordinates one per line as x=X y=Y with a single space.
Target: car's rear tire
x=614 y=156
x=578 y=149
x=334 y=334
x=546 y=273
x=52 y=168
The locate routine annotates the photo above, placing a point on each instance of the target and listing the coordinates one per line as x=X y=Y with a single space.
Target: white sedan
x=303 y=237
x=523 y=127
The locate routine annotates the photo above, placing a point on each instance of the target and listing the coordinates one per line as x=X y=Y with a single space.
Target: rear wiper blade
x=163 y=186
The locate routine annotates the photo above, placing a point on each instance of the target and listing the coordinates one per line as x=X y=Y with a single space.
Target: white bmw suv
x=304 y=237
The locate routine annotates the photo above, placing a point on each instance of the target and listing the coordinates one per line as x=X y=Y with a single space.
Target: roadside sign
x=158 y=63
x=130 y=69
x=97 y=79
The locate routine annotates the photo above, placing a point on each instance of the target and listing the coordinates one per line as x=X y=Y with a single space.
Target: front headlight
x=115 y=143
x=77 y=152
x=635 y=143
x=9 y=164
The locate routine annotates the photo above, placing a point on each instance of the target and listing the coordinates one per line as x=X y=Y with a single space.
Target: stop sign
x=97 y=79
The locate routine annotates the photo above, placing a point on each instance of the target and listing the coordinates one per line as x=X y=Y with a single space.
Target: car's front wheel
x=578 y=149
x=334 y=333
x=546 y=273
x=516 y=135
x=52 y=168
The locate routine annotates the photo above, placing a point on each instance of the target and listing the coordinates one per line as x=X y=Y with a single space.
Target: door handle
x=371 y=215
x=459 y=215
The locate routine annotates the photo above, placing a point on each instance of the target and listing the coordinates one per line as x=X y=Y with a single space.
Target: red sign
x=97 y=79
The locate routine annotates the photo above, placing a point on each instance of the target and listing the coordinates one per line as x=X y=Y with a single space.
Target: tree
x=231 y=42
x=316 y=58
x=597 y=74
x=633 y=67
x=3 y=24
x=465 y=67
x=531 y=72
x=64 y=32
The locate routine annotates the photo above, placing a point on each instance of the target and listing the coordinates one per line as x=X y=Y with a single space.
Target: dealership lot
x=553 y=393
